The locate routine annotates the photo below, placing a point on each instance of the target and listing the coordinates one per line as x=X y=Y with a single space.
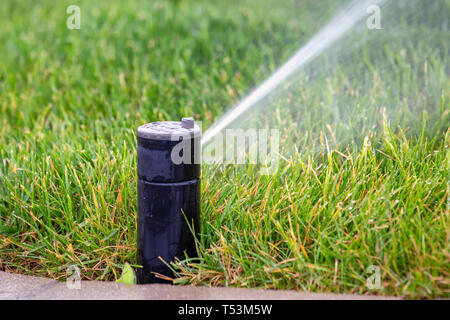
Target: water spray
x=168 y=196
x=326 y=37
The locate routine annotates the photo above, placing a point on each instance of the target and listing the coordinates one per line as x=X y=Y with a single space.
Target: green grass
x=70 y=102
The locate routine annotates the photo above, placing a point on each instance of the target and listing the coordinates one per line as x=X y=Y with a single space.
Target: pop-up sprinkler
x=168 y=195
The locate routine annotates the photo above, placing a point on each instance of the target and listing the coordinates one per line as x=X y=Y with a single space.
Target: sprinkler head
x=168 y=196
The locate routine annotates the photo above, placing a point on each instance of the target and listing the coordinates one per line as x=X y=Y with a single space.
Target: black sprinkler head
x=168 y=196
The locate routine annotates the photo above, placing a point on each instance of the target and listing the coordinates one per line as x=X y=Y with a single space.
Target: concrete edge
x=21 y=287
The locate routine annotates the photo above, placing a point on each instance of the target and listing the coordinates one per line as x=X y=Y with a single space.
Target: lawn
x=71 y=100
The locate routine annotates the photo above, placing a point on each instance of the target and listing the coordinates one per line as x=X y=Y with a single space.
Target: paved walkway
x=15 y=286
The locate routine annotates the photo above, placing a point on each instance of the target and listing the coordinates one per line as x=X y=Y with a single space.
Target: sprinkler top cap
x=187 y=123
x=169 y=130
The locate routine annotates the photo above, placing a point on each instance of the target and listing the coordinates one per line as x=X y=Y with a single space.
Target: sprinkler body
x=168 y=196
